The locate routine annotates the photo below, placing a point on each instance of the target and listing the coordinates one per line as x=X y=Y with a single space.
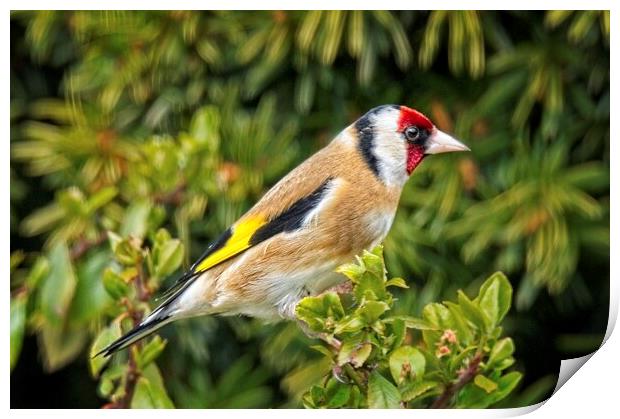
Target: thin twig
x=84 y=245
x=133 y=374
x=465 y=377
x=174 y=197
x=130 y=384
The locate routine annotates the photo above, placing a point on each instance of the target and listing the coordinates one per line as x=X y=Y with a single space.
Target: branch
x=132 y=379
x=465 y=377
x=353 y=375
x=174 y=197
x=84 y=245
x=133 y=374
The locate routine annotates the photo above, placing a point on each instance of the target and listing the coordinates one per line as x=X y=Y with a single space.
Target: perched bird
x=337 y=203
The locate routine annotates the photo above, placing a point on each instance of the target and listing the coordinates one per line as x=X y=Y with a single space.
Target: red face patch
x=415 y=155
x=415 y=152
x=410 y=117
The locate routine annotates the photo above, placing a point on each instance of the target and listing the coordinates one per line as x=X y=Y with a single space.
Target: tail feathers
x=157 y=319
x=151 y=324
x=178 y=286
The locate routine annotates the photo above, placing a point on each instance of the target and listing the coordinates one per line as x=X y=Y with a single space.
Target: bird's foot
x=329 y=339
x=342 y=288
x=339 y=374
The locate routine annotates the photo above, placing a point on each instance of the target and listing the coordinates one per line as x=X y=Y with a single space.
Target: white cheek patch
x=389 y=148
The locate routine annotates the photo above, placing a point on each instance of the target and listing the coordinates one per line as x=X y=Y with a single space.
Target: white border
x=592 y=391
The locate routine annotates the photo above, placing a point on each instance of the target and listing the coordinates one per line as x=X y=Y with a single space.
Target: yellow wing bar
x=238 y=242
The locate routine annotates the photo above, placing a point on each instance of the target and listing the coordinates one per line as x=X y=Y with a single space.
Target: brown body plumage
x=354 y=216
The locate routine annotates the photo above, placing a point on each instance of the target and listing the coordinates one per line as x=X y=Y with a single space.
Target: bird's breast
x=379 y=224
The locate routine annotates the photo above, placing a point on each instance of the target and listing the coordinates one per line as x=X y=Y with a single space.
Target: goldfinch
x=337 y=203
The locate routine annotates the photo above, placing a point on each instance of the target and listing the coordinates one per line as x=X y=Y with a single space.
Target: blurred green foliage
x=129 y=122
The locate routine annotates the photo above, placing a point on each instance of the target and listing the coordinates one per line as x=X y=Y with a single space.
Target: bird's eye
x=412 y=133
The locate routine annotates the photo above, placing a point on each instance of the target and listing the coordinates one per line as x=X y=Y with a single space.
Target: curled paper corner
x=568 y=367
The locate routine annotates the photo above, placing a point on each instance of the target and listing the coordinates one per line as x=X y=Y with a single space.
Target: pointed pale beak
x=440 y=142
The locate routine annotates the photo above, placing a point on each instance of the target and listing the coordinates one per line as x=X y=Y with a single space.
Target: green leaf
x=381 y=393
x=114 y=284
x=106 y=336
x=354 y=350
x=502 y=349
x=358 y=354
x=459 y=323
x=150 y=392
x=370 y=287
x=58 y=287
x=371 y=311
x=351 y=271
x=114 y=239
x=458 y=361
x=128 y=251
x=149 y=396
x=373 y=261
x=17 y=257
x=473 y=312
x=350 y=324
x=473 y=397
x=320 y=313
x=205 y=126
x=317 y=393
x=109 y=377
x=168 y=257
x=340 y=397
x=368 y=276
x=413 y=322
x=399 y=331
x=495 y=297
x=135 y=219
x=407 y=362
x=312 y=398
x=150 y=352
x=322 y=349
x=18 y=325
x=59 y=346
x=485 y=383
x=416 y=389
x=396 y=282
x=101 y=198
x=39 y=270
x=437 y=316
x=357 y=399
x=506 y=384
x=504 y=363
x=91 y=298
x=162 y=236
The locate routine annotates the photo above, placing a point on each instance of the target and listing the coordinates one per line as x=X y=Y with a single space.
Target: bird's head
x=395 y=139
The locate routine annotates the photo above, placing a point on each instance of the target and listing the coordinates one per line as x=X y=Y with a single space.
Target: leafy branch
x=465 y=376
x=453 y=356
x=131 y=280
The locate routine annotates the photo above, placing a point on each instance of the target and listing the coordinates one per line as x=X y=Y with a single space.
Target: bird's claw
x=338 y=374
x=331 y=341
